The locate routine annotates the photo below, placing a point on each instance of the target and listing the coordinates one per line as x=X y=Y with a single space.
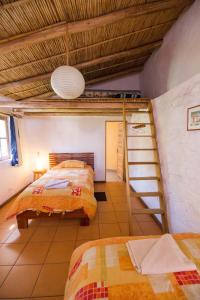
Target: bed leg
x=22 y=222
x=85 y=221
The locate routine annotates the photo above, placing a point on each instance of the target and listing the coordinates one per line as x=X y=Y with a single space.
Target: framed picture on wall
x=193 y=118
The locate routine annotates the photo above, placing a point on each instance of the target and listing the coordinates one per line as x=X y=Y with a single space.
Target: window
x=4 y=139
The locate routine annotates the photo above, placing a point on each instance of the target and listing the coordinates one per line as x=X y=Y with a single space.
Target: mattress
x=102 y=269
x=79 y=193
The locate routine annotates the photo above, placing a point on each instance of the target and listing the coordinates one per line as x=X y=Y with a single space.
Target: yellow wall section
x=111 y=145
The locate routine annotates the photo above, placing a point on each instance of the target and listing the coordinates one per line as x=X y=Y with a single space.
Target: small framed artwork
x=193 y=118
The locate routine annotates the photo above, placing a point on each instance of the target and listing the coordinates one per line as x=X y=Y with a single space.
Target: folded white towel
x=56 y=184
x=157 y=256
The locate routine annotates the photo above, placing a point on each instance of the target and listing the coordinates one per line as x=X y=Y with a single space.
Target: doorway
x=114 y=151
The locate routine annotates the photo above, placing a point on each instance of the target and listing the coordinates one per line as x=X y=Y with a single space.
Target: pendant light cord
x=67 y=42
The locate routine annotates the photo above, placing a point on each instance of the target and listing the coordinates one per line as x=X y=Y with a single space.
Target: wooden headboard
x=56 y=158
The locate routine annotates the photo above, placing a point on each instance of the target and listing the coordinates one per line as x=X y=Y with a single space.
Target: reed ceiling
x=102 y=38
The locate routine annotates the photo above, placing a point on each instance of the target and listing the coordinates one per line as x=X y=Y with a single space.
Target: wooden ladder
x=159 y=194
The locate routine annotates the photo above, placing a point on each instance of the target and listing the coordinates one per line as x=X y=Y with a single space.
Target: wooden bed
x=55 y=159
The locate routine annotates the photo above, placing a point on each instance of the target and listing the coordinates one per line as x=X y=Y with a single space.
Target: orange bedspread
x=78 y=194
x=103 y=270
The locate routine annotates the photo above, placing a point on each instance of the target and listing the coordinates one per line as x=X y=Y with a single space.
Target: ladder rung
x=142 y=149
x=141 y=112
x=152 y=136
x=145 y=178
x=143 y=163
x=149 y=211
x=140 y=123
x=147 y=194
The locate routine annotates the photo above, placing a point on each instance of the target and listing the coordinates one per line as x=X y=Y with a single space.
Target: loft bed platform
x=81 y=106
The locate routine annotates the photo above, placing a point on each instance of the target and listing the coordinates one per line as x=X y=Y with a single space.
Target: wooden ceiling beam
x=18 y=83
x=111 y=76
x=59 y=29
x=152 y=46
x=116 y=16
x=125 y=35
x=138 y=62
x=41 y=60
x=55 y=114
x=71 y=105
x=37 y=36
x=120 y=55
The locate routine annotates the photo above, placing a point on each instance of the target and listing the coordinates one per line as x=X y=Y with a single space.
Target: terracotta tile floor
x=34 y=262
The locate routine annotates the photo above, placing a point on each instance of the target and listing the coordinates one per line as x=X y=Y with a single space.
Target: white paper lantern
x=67 y=82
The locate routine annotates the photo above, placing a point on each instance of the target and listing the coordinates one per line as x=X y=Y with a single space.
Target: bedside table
x=38 y=173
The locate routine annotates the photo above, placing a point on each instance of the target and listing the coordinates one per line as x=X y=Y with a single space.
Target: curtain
x=14 y=143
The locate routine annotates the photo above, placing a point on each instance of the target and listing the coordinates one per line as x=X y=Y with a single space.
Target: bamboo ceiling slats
x=31 y=92
x=115 y=69
x=105 y=38
x=33 y=53
x=121 y=44
x=21 y=19
x=90 y=8
x=120 y=62
x=44 y=66
x=127 y=26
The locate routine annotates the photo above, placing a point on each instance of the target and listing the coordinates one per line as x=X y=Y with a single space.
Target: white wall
x=177 y=59
x=54 y=134
x=67 y=134
x=172 y=69
x=126 y=82
x=180 y=154
x=13 y=179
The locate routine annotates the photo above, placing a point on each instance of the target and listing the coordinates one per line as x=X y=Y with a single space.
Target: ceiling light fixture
x=67 y=81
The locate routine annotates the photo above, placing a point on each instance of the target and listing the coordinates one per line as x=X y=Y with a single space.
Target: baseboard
x=146 y=206
x=13 y=196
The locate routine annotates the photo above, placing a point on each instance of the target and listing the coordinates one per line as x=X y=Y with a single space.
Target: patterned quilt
x=102 y=269
x=78 y=194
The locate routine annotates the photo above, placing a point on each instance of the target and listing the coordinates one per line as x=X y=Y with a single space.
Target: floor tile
x=122 y=216
x=69 y=222
x=43 y=234
x=120 y=206
x=88 y=232
x=136 y=230
x=81 y=242
x=124 y=228
x=149 y=228
x=33 y=253
x=66 y=233
x=20 y=236
x=107 y=217
x=143 y=217
x=20 y=282
x=9 y=253
x=4 y=270
x=60 y=252
x=4 y=234
x=105 y=206
x=95 y=220
x=49 y=222
x=51 y=281
x=109 y=230
x=10 y=224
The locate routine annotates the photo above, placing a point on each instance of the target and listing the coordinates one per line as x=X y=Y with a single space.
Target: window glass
x=4 y=139
x=2 y=128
